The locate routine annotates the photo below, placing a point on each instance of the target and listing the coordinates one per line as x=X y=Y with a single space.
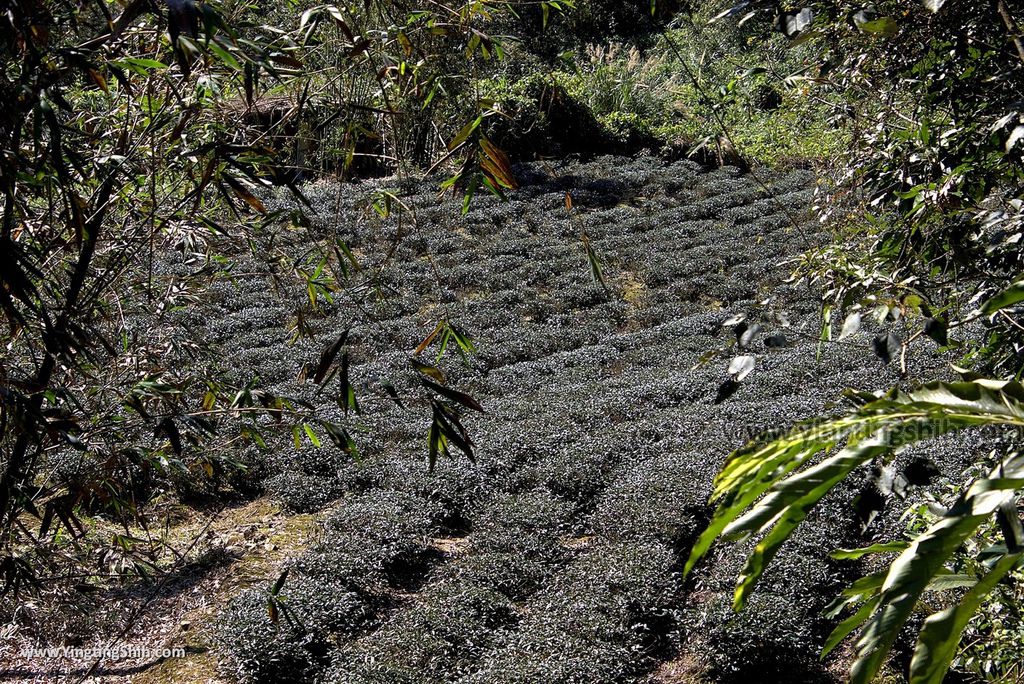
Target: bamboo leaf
x=279 y=584
x=244 y=194
x=429 y=338
x=428 y=370
x=453 y=395
x=741 y=366
x=937 y=644
x=168 y=428
x=911 y=573
x=847 y=626
x=788 y=504
x=884 y=26
x=496 y=164
x=1005 y=299
x=850 y=326
x=311 y=434
x=853 y=554
x=464 y=134
x=774 y=470
x=327 y=357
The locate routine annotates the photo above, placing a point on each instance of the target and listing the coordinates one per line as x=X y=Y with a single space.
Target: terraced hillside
x=556 y=557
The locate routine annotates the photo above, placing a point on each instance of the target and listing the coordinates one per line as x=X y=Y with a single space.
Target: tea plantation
x=557 y=556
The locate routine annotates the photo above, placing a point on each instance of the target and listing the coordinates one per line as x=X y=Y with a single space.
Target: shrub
x=296 y=646
x=551 y=655
x=369 y=538
x=441 y=634
x=769 y=644
x=509 y=518
x=590 y=622
x=450 y=490
x=513 y=574
x=654 y=499
x=304 y=493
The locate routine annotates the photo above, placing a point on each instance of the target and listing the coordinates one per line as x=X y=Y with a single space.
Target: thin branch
x=1011 y=27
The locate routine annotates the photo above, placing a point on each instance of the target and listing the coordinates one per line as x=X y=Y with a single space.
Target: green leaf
x=846 y=627
x=224 y=55
x=826 y=329
x=453 y=395
x=471 y=188
x=428 y=370
x=872 y=430
x=255 y=435
x=752 y=470
x=327 y=358
x=464 y=134
x=341 y=439
x=884 y=26
x=496 y=165
x=937 y=644
x=312 y=435
x=348 y=392
x=279 y=584
x=787 y=506
x=864 y=586
x=977 y=402
x=436 y=443
x=945 y=581
x=853 y=554
x=595 y=262
x=465 y=342
x=911 y=573
x=139 y=64
x=1005 y=299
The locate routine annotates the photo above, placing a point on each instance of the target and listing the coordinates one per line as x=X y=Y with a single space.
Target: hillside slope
x=556 y=556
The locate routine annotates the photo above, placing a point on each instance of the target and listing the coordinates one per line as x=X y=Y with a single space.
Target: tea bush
x=441 y=635
x=295 y=646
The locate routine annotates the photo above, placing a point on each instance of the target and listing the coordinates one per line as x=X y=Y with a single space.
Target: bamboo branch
x=1011 y=27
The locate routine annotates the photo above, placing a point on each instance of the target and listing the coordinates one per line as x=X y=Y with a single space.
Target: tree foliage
x=134 y=130
x=767 y=489
x=930 y=195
